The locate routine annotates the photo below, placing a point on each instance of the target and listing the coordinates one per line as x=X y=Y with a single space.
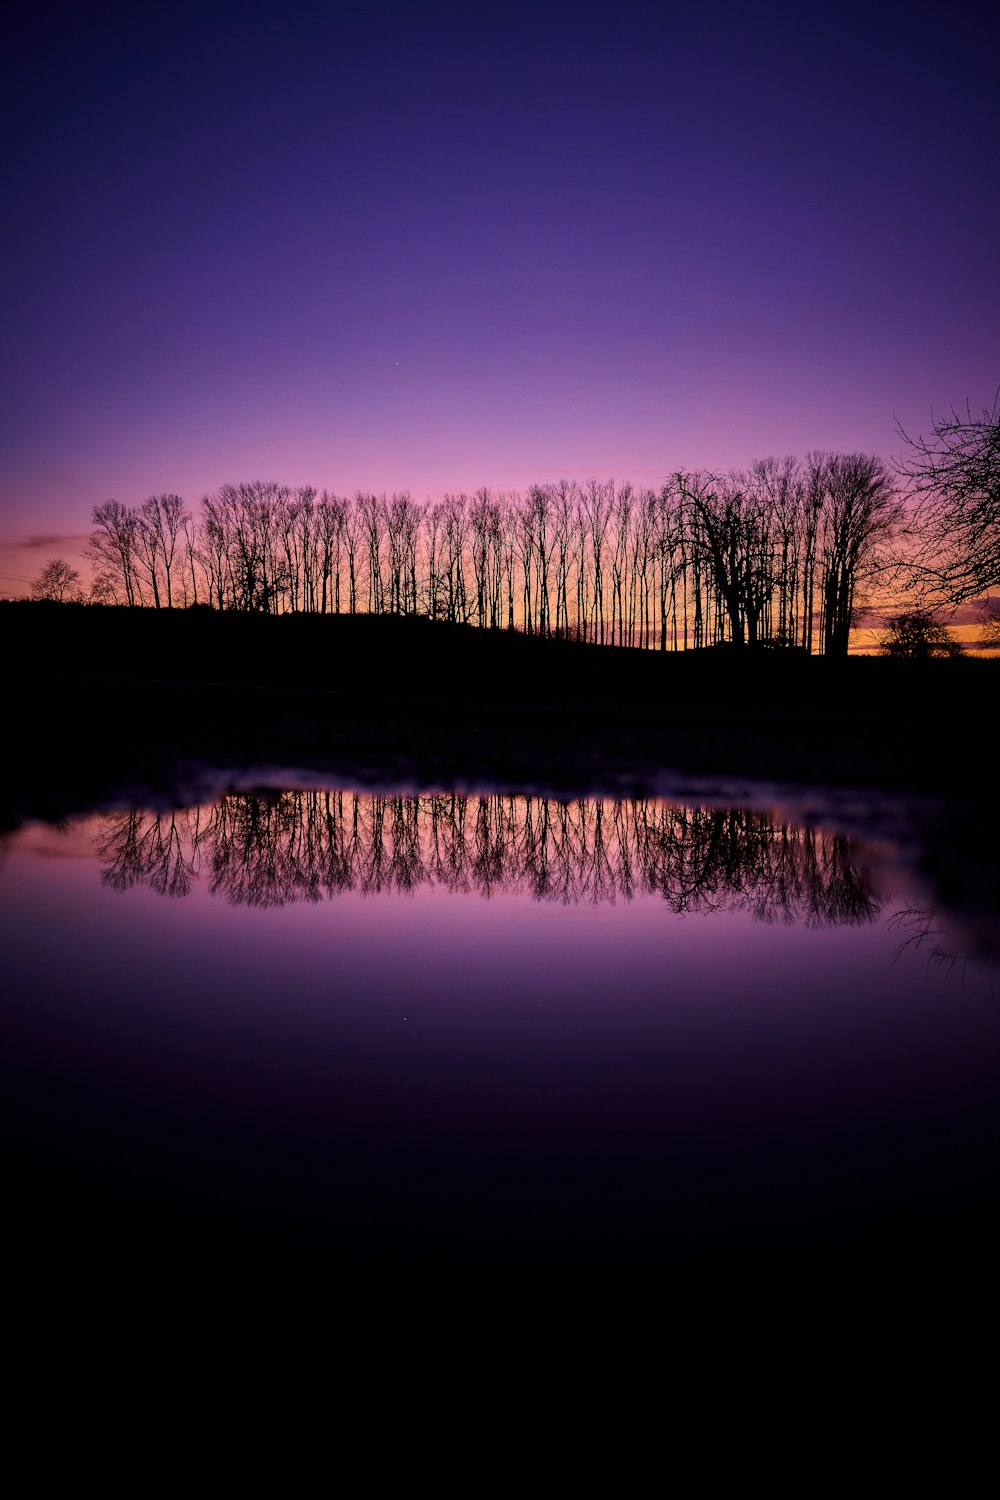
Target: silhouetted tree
x=859 y=519
x=598 y=504
x=731 y=541
x=371 y=516
x=159 y=526
x=989 y=625
x=112 y=548
x=248 y=571
x=454 y=536
x=190 y=567
x=353 y=533
x=402 y=517
x=916 y=634
x=330 y=547
x=102 y=589
x=57 y=581
x=955 y=529
x=779 y=492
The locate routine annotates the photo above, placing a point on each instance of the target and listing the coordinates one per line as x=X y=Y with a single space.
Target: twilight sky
x=438 y=246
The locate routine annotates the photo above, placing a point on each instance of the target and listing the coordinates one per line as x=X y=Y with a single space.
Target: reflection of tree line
x=266 y=849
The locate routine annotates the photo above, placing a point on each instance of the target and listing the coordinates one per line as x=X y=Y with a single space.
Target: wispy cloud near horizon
x=45 y=541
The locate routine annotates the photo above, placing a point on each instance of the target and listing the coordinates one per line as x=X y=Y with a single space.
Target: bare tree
x=371 y=510
x=778 y=490
x=159 y=527
x=292 y=520
x=353 y=531
x=486 y=541
x=728 y=539
x=860 y=516
x=621 y=531
x=103 y=589
x=191 y=560
x=57 y=581
x=112 y=548
x=402 y=517
x=565 y=520
x=247 y=566
x=955 y=529
x=540 y=516
x=598 y=505
x=330 y=514
x=452 y=556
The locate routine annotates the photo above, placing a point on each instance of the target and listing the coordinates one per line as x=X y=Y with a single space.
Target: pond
x=455 y=1056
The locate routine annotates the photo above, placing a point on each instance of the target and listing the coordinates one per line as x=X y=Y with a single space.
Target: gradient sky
x=420 y=246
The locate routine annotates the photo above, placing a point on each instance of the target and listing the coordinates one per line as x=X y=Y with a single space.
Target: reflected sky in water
x=506 y=1043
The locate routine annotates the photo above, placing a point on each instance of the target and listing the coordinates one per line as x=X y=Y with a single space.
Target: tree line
x=260 y=849
x=780 y=553
x=784 y=552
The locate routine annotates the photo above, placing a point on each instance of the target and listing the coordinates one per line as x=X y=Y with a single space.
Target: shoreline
x=103 y=699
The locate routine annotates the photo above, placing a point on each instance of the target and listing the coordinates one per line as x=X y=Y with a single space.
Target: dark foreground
x=549 y=1113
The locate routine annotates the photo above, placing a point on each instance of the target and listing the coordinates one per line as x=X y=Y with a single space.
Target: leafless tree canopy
x=781 y=553
x=57 y=580
x=955 y=528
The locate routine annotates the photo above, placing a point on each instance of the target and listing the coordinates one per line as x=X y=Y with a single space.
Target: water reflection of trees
x=269 y=848
x=918 y=930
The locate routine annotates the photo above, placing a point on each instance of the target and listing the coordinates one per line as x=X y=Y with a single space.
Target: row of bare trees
x=782 y=553
x=267 y=850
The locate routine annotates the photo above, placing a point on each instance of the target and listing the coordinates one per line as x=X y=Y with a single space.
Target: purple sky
x=422 y=247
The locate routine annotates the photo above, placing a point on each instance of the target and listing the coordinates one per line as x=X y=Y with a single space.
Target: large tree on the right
x=955 y=526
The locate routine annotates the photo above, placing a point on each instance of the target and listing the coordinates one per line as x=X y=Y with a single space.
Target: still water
x=458 y=1055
